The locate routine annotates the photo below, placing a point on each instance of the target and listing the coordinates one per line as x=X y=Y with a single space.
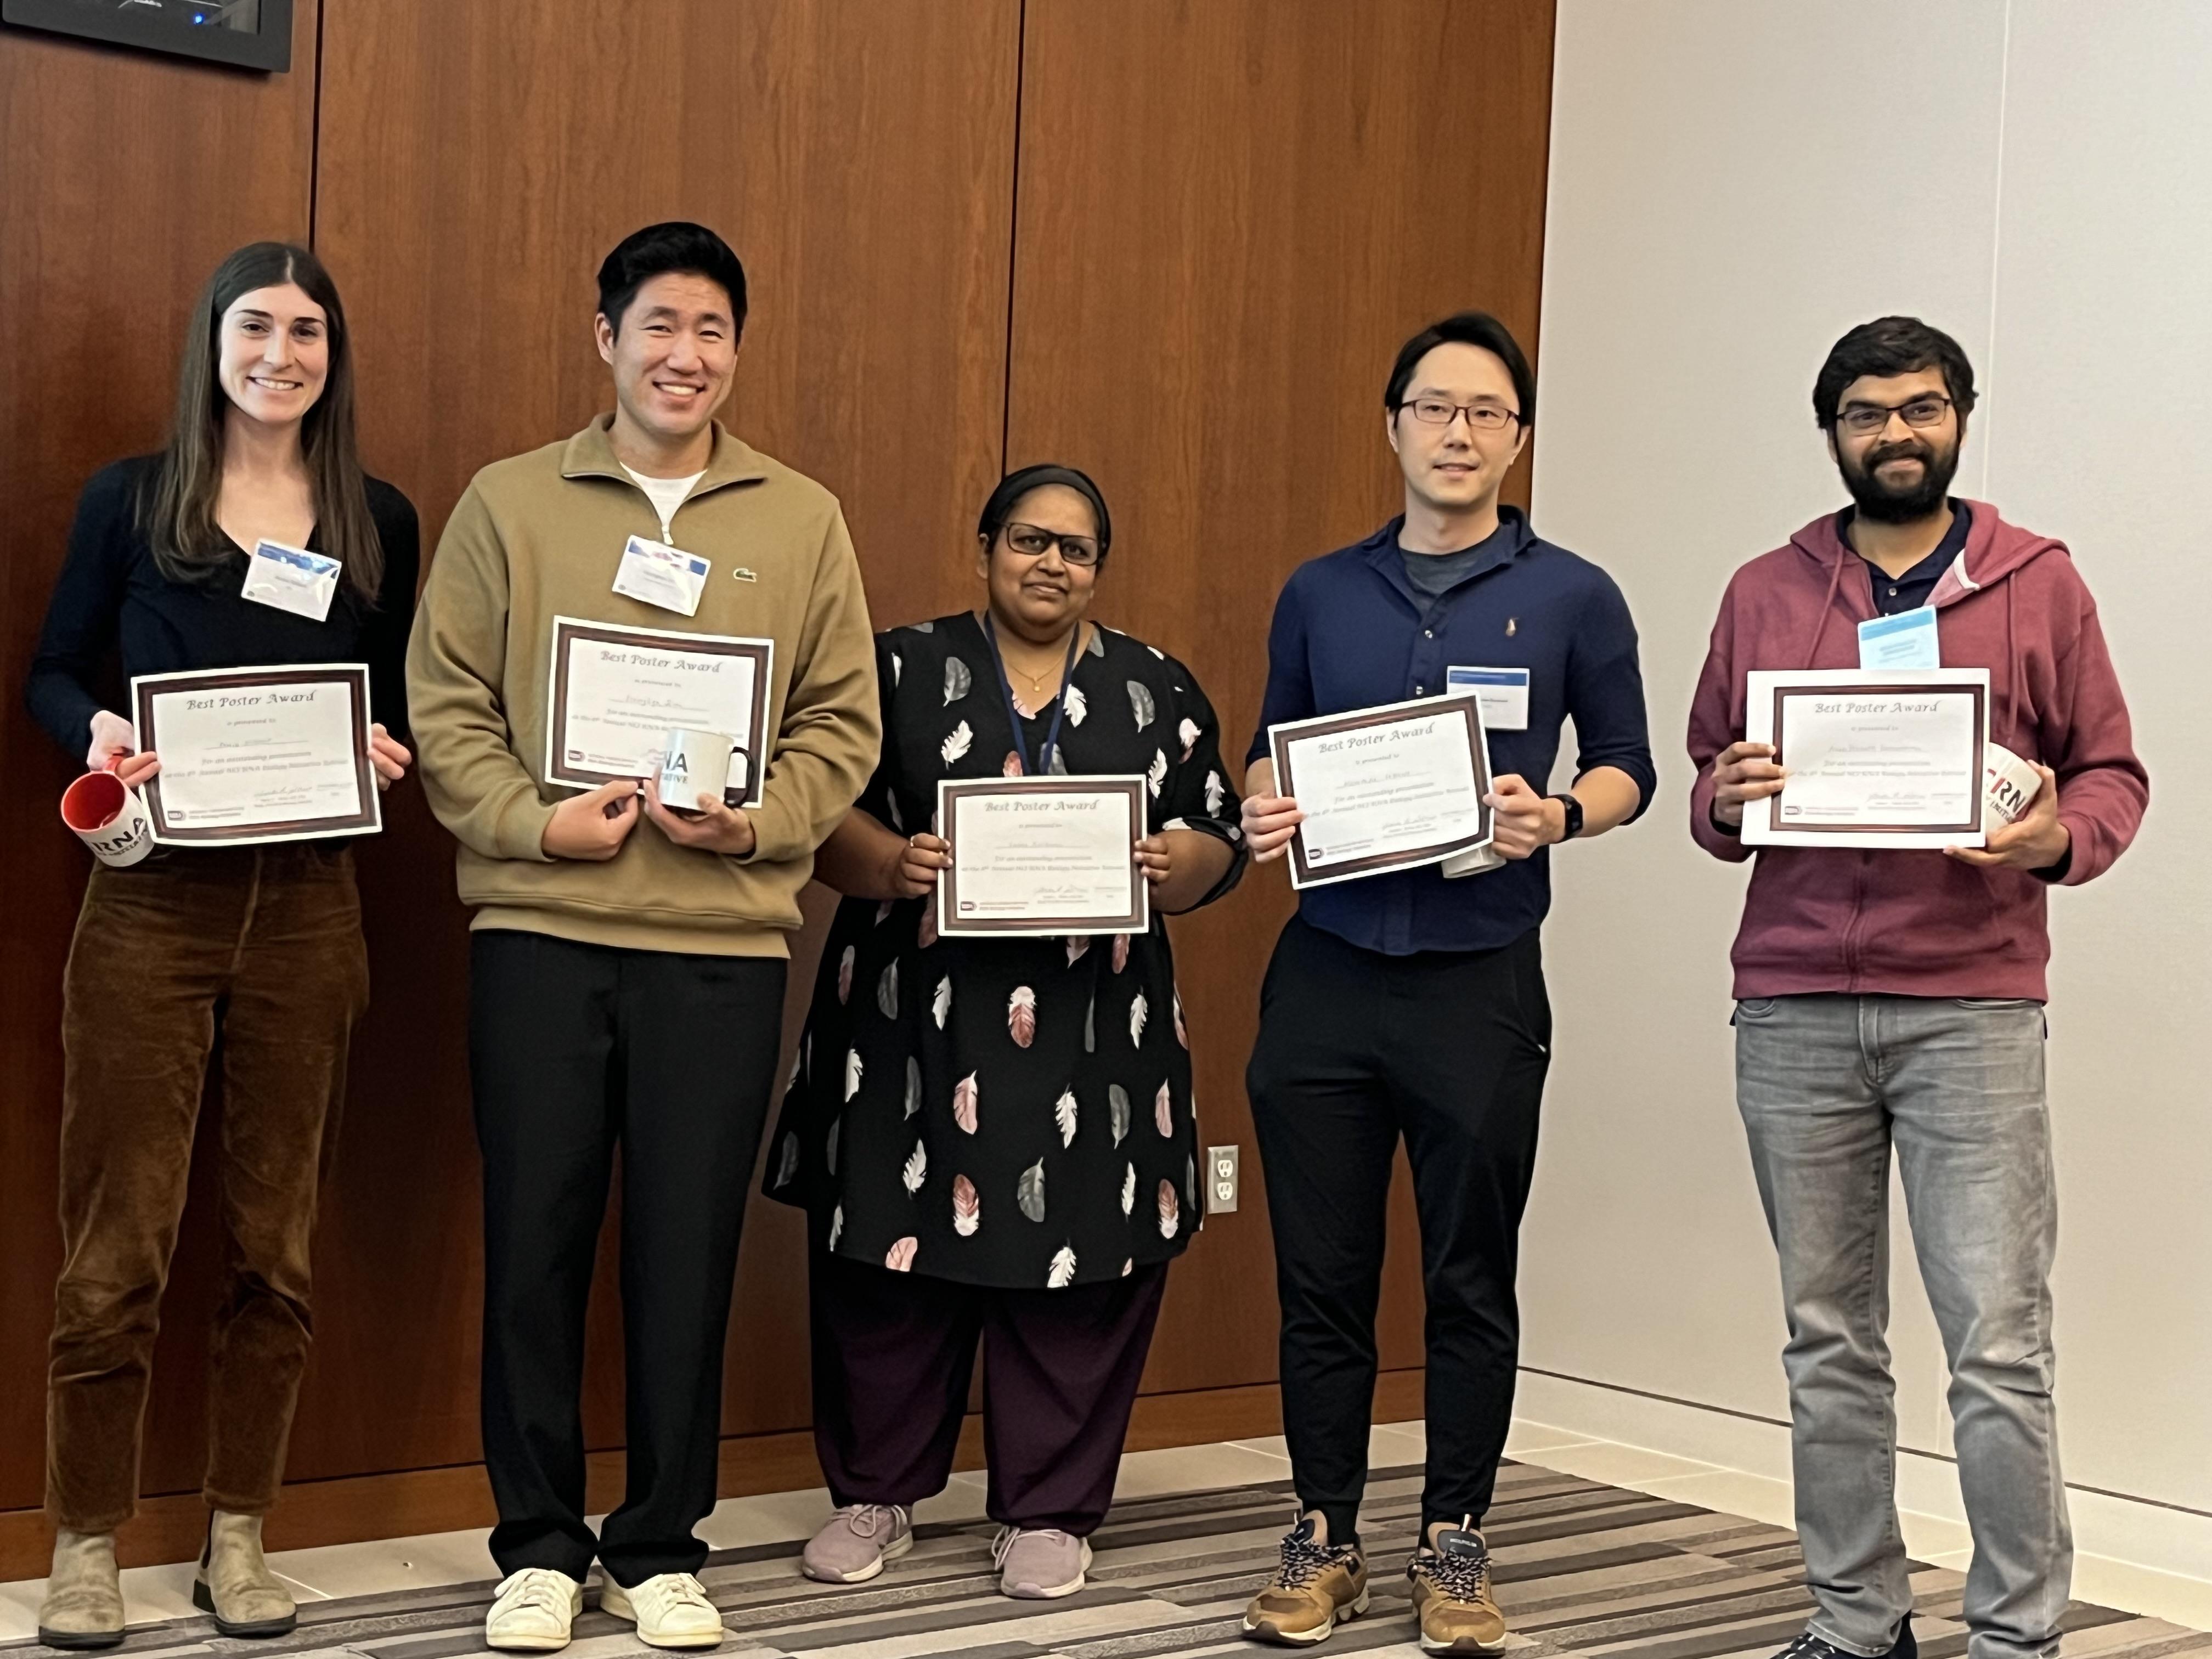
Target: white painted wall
x=1733 y=184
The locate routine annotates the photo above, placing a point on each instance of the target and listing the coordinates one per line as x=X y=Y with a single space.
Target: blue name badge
x=1502 y=692
x=1906 y=640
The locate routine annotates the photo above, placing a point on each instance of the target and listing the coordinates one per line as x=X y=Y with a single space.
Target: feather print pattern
x=1189 y=733
x=957 y=744
x=829 y=1146
x=1117 y=1110
x=891 y=806
x=1063 y=1114
x=1091 y=1027
x=1058 y=769
x=899 y=669
x=837 y=1225
x=845 y=977
x=1182 y=1036
x=786 y=1160
x=1012 y=766
x=913 y=1086
x=900 y=1257
x=1138 y=1010
x=1076 y=703
x=1170 y=1212
x=966 y=1098
x=883 y=912
x=887 y=989
x=1141 y=703
x=852 y=1073
x=1061 y=1274
x=957 y=680
x=1121 y=951
x=917 y=1169
x=1215 y=793
x=1028 y=1192
x=941 y=1003
x=1163 y=1113
x=1129 y=1189
x=967 y=1207
x=1156 y=774
x=1021 y=1016
x=1097 y=645
x=1077 y=945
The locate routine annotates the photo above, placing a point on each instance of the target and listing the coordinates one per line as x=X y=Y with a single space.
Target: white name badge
x=662 y=575
x=1502 y=692
x=1905 y=642
x=291 y=579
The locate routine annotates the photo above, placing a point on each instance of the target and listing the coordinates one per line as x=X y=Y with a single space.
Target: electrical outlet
x=1220 y=1180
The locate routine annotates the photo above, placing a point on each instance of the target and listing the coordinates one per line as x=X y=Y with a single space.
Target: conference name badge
x=1502 y=692
x=1904 y=643
x=656 y=574
x=291 y=579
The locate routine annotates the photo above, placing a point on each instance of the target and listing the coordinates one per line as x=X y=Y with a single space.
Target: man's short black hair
x=676 y=246
x=1886 y=346
x=1475 y=328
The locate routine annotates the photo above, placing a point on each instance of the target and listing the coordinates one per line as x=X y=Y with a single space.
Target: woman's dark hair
x=1015 y=485
x=1475 y=328
x=178 y=514
x=677 y=244
x=1886 y=346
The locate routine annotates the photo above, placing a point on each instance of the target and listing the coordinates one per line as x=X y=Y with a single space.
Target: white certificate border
x=1137 y=920
x=1763 y=688
x=368 y=816
x=567 y=629
x=1384 y=714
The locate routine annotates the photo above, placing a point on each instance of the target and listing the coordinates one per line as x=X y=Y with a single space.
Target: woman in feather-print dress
x=997 y=1136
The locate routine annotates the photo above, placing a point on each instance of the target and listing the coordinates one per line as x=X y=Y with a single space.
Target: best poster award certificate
x=1875 y=758
x=1047 y=855
x=617 y=693
x=1391 y=788
x=258 y=754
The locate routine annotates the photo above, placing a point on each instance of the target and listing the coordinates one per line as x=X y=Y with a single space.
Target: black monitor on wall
x=252 y=34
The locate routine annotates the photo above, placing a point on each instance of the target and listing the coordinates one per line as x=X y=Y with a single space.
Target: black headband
x=1015 y=485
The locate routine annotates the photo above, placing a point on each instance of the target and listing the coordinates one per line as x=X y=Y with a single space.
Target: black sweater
x=112 y=594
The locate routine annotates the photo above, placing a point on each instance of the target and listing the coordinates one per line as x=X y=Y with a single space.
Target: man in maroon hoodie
x=1896 y=999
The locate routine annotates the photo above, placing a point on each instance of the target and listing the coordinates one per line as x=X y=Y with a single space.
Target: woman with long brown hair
x=261 y=943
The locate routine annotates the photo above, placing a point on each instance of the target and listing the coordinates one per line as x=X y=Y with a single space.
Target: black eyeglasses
x=1033 y=543
x=1863 y=420
x=1437 y=411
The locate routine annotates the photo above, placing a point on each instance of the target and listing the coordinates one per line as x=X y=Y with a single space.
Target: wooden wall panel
x=1230 y=214
x=124 y=178
x=476 y=163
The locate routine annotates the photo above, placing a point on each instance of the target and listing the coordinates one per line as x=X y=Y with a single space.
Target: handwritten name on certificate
x=1876 y=759
x=1043 y=855
x=617 y=693
x=1390 y=787
x=258 y=755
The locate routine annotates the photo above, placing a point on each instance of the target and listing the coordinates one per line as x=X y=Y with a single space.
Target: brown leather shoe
x=1316 y=1584
x=1451 y=1592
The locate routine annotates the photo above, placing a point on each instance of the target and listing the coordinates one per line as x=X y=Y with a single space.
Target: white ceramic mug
x=108 y=819
x=694 y=763
x=2009 y=784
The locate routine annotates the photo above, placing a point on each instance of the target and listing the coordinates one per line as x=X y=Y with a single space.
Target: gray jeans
x=1827 y=1084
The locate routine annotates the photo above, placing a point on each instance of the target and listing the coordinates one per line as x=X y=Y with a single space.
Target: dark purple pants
x=893 y=1354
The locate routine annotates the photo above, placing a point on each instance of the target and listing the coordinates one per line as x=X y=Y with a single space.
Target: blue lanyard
x=1013 y=714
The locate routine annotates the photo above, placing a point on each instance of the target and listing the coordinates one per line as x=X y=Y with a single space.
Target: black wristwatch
x=1574 y=811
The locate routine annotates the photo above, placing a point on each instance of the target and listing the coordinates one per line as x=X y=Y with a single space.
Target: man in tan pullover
x=628 y=962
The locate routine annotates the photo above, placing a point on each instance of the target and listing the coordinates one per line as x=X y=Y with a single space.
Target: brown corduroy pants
x=265 y=945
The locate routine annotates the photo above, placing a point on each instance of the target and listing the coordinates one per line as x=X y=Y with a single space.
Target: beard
x=1886 y=504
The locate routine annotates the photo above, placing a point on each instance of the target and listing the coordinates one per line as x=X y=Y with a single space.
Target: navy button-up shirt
x=1350 y=632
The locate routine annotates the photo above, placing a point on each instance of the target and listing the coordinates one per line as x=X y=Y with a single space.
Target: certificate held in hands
x=1875 y=758
x=617 y=693
x=258 y=755
x=1391 y=788
x=1044 y=855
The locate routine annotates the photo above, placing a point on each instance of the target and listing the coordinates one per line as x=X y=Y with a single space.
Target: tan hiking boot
x=1451 y=1592
x=1316 y=1584
x=84 y=1604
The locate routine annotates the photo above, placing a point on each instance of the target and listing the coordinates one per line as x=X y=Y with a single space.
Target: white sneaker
x=532 y=1610
x=670 y=1609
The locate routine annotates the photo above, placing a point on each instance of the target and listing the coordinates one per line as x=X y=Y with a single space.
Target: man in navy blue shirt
x=1411 y=1003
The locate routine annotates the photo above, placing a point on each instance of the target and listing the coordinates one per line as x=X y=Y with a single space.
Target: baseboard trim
x=407 y=1503
x=2142 y=1554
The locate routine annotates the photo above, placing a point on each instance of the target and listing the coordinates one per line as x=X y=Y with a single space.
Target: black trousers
x=893 y=1354
x=1355 y=1049
x=575 y=1049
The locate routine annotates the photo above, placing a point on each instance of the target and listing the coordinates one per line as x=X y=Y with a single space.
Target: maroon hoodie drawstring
x=1820 y=622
